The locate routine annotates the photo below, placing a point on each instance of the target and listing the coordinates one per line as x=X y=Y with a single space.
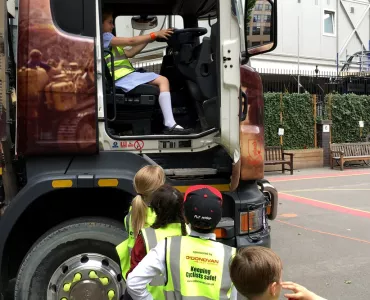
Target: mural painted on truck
x=56 y=105
x=252 y=142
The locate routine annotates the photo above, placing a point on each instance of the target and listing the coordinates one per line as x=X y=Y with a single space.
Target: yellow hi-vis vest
x=124 y=249
x=151 y=238
x=122 y=66
x=197 y=269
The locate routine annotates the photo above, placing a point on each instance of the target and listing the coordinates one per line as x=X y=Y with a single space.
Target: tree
x=249 y=9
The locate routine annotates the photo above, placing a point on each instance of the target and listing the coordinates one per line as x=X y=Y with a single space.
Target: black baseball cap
x=203 y=206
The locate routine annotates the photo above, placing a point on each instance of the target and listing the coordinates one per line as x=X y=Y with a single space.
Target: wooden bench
x=275 y=155
x=348 y=152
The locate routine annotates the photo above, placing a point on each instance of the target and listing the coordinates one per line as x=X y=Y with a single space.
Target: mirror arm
x=244 y=58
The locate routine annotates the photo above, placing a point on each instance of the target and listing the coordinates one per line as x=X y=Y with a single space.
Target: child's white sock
x=166 y=107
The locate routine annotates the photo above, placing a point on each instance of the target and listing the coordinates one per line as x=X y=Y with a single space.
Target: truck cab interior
x=190 y=63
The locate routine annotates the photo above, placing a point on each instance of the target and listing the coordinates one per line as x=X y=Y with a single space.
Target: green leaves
x=346 y=111
x=250 y=5
x=298 y=120
x=272 y=119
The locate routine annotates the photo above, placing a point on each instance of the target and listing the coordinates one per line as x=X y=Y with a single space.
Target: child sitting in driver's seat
x=130 y=79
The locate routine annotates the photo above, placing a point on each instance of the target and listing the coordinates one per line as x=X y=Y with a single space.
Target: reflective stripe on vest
x=128 y=220
x=151 y=237
x=122 y=66
x=124 y=249
x=197 y=269
x=150 y=219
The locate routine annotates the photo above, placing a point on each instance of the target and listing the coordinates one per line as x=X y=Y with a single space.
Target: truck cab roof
x=198 y=8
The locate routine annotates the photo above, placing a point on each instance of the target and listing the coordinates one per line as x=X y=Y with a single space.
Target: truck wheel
x=75 y=260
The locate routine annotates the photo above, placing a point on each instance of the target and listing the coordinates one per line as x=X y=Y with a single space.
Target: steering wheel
x=199 y=31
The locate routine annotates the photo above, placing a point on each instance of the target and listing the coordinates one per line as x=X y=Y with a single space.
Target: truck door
x=56 y=94
x=230 y=77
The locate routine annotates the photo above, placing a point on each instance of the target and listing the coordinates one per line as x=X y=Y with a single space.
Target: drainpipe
x=337 y=29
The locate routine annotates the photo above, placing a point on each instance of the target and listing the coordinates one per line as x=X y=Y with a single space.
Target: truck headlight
x=252 y=220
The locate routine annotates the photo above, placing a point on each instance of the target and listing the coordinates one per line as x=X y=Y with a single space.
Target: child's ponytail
x=139 y=214
x=147 y=180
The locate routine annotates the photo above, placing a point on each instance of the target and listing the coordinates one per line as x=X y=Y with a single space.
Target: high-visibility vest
x=124 y=249
x=122 y=66
x=151 y=238
x=197 y=269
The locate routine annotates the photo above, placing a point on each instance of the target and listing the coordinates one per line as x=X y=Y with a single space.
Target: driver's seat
x=134 y=108
x=195 y=63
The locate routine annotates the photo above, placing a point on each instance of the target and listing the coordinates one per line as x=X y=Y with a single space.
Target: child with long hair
x=167 y=203
x=146 y=181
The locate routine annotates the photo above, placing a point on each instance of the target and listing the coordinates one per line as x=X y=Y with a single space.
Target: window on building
x=254 y=44
x=267 y=18
x=248 y=30
x=259 y=7
x=257 y=18
x=266 y=30
x=329 y=22
x=268 y=7
x=256 y=30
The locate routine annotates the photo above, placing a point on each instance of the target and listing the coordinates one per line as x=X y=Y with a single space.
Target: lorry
x=71 y=141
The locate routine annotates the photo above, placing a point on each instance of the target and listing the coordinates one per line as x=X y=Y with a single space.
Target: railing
x=287 y=81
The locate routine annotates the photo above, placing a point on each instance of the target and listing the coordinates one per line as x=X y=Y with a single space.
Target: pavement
x=322 y=230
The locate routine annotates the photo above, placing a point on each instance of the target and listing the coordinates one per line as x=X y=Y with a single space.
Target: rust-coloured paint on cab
x=56 y=94
x=252 y=149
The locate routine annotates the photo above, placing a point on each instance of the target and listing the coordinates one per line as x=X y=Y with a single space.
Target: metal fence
x=288 y=81
x=319 y=84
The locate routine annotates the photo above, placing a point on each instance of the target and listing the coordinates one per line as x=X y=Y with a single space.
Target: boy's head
x=203 y=207
x=256 y=273
x=35 y=55
x=108 y=20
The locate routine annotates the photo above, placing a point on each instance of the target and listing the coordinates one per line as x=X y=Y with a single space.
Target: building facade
x=322 y=33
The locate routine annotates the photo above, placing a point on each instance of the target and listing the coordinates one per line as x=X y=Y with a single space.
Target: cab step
x=190 y=172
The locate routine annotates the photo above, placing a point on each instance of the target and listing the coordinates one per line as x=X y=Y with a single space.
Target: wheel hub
x=87 y=289
x=86 y=277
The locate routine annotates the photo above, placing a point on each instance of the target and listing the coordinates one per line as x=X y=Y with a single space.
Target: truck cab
x=72 y=140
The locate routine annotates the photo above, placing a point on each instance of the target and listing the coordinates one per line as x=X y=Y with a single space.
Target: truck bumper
x=242 y=241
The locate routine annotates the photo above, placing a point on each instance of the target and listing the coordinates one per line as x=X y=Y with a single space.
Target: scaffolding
x=358 y=62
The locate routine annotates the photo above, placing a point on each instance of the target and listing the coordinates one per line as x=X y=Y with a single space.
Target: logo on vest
x=202 y=259
x=202 y=217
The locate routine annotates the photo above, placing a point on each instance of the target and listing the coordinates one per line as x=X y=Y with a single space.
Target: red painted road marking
x=325 y=205
x=326 y=175
x=323 y=232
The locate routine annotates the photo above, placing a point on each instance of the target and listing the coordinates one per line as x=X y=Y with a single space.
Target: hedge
x=346 y=111
x=298 y=120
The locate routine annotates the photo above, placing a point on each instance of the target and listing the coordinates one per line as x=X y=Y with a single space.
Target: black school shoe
x=177 y=131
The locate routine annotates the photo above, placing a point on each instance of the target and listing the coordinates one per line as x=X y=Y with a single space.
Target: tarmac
x=322 y=230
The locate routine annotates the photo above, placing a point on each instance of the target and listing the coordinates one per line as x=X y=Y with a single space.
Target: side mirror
x=260 y=23
x=144 y=22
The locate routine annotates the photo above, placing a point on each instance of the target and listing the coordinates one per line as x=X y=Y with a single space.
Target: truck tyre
x=74 y=260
